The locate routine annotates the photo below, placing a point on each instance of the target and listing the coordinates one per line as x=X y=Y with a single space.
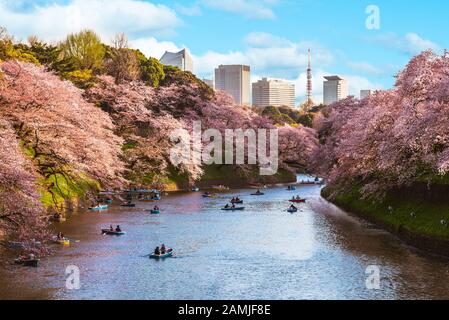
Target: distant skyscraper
x=309 y=82
x=276 y=93
x=235 y=80
x=335 y=89
x=364 y=93
x=181 y=59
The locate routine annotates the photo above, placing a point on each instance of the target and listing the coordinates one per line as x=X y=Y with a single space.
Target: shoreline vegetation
x=417 y=220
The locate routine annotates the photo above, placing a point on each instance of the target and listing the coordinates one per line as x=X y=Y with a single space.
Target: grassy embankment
x=415 y=214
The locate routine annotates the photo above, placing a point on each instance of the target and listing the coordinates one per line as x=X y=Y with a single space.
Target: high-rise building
x=309 y=82
x=335 y=89
x=276 y=93
x=235 y=80
x=181 y=59
x=364 y=93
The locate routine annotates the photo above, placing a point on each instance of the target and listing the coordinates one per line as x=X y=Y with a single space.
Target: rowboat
x=237 y=202
x=128 y=205
x=99 y=208
x=155 y=211
x=291 y=210
x=168 y=254
x=209 y=195
x=291 y=188
x=27 y=262
x=258 y=194
x=196 y=189
x=112 y=233
x=298 y=201
x=233 y=209
x=64 y=242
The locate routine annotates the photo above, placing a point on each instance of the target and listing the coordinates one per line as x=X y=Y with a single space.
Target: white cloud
x=107 y=17
x=266 y=54
x=259 y=9
x=365 y=67
x=194 y=10
x=151 y=47
x=410 y=44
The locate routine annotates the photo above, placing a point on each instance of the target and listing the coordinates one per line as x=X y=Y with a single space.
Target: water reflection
x=261 y=253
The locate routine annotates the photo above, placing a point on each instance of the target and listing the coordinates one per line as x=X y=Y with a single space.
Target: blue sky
x=271 y=35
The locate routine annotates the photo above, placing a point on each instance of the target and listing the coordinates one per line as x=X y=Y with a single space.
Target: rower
x=118 y=229
x=163 y=249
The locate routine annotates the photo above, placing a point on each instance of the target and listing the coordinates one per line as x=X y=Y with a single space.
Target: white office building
x=335 y=89
x=181 y=59
x=235 y=80
x=272 y=92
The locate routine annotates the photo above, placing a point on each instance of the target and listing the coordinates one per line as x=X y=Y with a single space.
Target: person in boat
x=258 y=192
x=292 y=207
x=233 y=199
x=233 y=206
x=227 y=206
x=237 y=199
x=157 y=251
x=111 y=228
x=298 y=198
x=118 y=229
x=156 y=208
x=163 y=249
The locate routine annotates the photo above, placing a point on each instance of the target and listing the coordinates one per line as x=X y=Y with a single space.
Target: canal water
x=263 y=252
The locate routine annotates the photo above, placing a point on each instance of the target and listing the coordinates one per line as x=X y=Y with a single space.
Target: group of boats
x=32 y=261
x=236 y=200
x=143 y=196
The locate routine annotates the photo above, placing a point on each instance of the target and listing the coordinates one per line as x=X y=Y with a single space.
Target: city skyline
x=272 y=36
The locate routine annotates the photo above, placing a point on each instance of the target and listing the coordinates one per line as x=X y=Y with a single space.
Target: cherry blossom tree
x=20 y=209
x=62 y=132
x=393 y=138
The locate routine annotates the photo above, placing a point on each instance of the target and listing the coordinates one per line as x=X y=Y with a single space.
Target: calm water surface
x=261 y=253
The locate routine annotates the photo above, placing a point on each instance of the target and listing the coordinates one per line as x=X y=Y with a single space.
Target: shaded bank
x=228 y=175
x=417 y=216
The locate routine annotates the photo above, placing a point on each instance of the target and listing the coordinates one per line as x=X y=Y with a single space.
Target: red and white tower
x=309 y=82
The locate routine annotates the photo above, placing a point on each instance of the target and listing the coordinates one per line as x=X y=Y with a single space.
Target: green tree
x=85 y=49
x=151 y=70
x=175 y=76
